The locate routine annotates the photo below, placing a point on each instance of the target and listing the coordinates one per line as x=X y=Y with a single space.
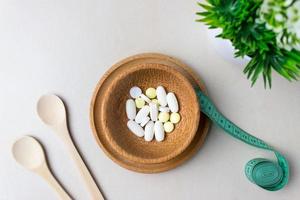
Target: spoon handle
x=84 y=172
x=48 y=176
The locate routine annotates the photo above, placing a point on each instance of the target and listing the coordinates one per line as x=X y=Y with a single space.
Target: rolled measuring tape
x=265 y=173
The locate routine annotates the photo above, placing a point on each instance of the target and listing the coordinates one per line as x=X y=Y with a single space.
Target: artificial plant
x=268 y=31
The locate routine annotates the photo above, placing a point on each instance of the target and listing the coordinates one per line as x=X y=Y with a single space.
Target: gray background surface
x=65 y=46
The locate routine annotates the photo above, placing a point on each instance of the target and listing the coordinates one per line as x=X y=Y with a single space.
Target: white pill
x=153 y=111
x=159 y=131
x=161 y=95
x=172 y=102
x=135 y=128
x=163 y=109
x=135 y=92
x=145 y=98
x=142 y=114
x=149 y=131
x=145 y=121
x=130 y=109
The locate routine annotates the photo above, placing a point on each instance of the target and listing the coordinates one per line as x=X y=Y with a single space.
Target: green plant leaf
x=237 y=19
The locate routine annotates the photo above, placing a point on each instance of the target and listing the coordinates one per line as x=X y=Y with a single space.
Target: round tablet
x=135 y=92
x=163 y=116
x=169 y=127
x=175 y=118
x=139 y=102
x=151 y=93
x=155 y=101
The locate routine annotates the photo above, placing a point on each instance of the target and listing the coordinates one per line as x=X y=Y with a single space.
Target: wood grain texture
x=52 y=112
x=45 y=172
x=108 y=117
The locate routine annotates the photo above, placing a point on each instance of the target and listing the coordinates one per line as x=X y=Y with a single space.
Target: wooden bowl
x=108 y=117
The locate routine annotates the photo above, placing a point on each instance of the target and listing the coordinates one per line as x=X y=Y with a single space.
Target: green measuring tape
x=264 y=173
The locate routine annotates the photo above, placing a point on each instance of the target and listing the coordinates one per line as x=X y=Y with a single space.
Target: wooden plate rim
x=204 y=123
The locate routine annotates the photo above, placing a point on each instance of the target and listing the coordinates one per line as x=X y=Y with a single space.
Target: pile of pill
x=153 y=113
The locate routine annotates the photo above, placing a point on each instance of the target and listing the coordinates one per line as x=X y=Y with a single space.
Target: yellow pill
x=175 y=118
x=169 y=127
x=163 y=116
x=155 y=101
x=151 y=93
x=139 y=102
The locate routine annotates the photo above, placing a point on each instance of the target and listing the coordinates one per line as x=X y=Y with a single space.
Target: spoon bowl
x=51 y=109
x=28 y=152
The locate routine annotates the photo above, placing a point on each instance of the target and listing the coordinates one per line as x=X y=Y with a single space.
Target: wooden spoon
x=28 y=152
x=52 y=112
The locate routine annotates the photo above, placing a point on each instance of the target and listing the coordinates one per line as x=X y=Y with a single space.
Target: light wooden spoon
x=52 y=112
x=28 y=152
